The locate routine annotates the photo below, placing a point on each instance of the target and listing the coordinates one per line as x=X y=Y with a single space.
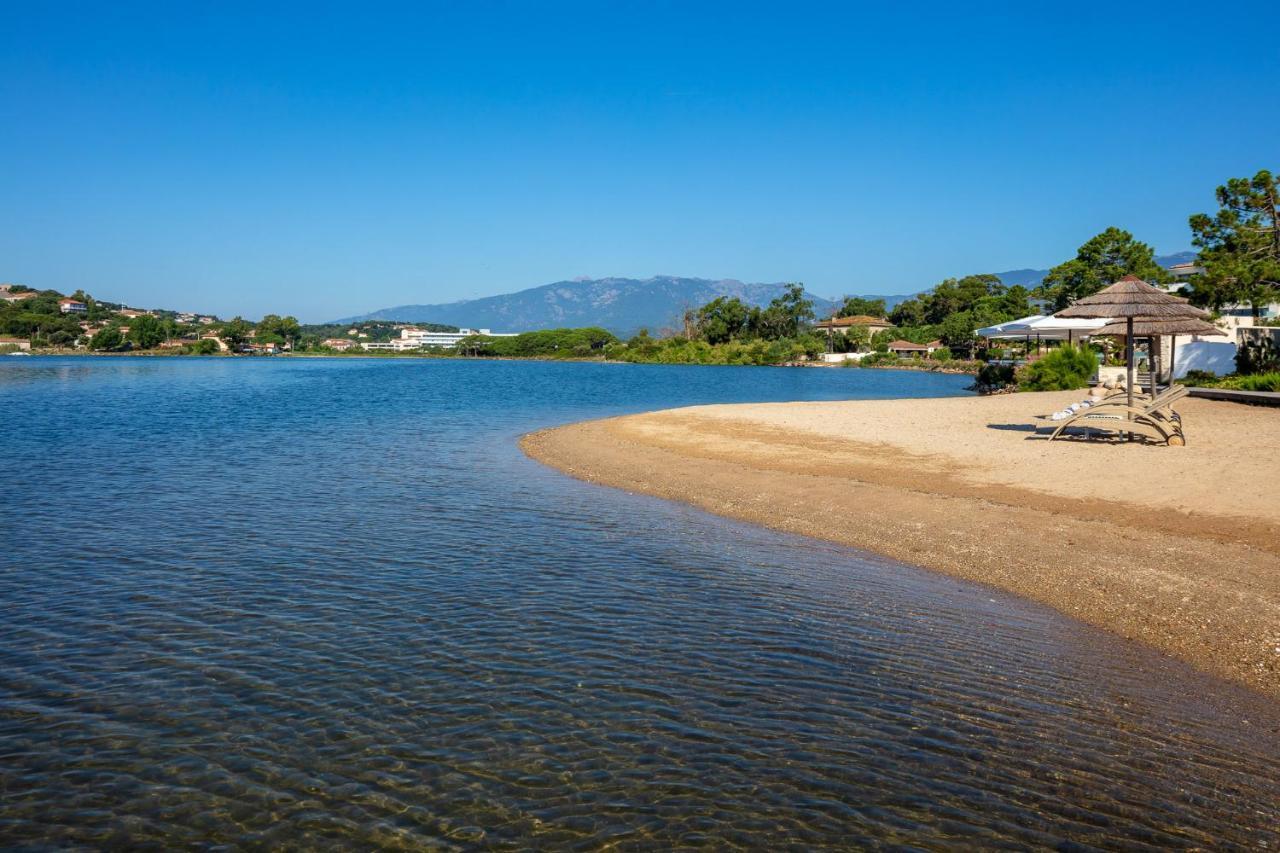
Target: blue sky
x=324 y=159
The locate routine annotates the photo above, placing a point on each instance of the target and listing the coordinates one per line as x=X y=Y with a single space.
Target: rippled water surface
x=315 y=603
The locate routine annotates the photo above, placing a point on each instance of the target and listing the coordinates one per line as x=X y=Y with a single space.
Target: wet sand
x=1175 y=547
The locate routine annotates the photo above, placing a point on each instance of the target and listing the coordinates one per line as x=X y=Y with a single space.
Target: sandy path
x=1175 y=547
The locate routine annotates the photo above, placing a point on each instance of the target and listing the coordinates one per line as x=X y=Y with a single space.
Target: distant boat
x=19 y=352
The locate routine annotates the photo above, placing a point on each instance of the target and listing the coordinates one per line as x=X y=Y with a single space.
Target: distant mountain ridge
x=1031 y=278
x=622 y=305
x=626 y=305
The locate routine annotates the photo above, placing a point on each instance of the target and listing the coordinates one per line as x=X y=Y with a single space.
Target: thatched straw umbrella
x=1132 y=299
x=1154 y=329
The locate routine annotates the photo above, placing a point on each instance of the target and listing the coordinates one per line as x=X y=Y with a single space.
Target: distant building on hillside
x=10 y=296
x=340 y=344
x=72 y=306
x=1182 y=272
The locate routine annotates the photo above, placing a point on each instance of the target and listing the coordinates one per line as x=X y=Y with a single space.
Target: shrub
x=107 y=339
x=879 y=359
x=1063 y=369
x=995 y=376
x=1259 y=382
x=1200 y=377
x=941 y=354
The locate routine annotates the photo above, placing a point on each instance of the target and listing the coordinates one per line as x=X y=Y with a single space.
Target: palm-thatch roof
x=1131 y=297
x=1145 y=327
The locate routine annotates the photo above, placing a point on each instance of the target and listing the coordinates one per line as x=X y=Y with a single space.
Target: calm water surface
x=327 y=603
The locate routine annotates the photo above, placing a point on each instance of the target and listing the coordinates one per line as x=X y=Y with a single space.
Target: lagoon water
x=327 y=603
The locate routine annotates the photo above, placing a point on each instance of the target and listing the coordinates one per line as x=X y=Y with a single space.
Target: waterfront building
x=907 y=348
x=413 y=338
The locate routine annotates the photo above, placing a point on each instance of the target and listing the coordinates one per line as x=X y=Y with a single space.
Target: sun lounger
x=1154 y=419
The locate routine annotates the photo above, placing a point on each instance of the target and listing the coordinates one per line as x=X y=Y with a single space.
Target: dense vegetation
x=548 y=343
x=954 y=308
x=1063 y=369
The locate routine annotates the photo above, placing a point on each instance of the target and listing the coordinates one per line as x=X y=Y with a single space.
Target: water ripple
x=327 y=604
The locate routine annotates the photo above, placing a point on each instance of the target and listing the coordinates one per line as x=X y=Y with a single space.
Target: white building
x=72 y=306
x=411 y=339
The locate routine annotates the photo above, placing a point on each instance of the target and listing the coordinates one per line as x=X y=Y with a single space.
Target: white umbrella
x=999 y=330
x=1057 y=328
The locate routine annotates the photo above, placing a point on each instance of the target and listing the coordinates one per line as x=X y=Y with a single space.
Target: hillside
x=622 y=305
x=625 y=305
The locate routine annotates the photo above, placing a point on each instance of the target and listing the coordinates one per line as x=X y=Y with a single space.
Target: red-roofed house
x=908 y=349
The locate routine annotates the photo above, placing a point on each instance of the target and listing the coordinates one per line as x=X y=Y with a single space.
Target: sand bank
x=1178 y=548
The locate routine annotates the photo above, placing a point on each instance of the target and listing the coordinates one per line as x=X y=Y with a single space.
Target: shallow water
x=320 y=603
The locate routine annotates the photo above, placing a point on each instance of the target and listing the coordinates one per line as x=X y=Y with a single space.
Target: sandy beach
x=1175 y=547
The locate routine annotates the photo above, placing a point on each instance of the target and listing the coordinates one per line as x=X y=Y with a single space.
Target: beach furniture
x=1132 y=301
x=1154 y=419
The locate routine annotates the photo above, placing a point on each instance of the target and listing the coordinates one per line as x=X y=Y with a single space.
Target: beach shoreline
x=1176 y=548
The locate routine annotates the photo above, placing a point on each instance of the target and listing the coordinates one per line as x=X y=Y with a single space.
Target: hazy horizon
x=330 y=162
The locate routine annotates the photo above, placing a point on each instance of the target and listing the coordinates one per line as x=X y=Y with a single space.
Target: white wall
x=1215 y=356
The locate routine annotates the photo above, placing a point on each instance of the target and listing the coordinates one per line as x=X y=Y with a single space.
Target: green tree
x=786 y=316
x=280 y=329
x=722 y=319
x=959 y=294
x=146 y=331
x=1102 y=260
x=235 y=332
x=957 y=332
x=909 y=312
x=1240 y=244
x=854 y=339
x=290 y=329
x=855 y=306
x=108 y=338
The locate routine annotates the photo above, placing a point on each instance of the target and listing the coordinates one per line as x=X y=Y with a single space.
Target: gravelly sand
x=1175 y=547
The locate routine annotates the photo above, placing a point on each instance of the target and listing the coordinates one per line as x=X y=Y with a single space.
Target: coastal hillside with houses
x=50 y=321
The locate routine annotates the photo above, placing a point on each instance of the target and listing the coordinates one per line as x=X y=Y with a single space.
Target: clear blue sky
x=323 y=160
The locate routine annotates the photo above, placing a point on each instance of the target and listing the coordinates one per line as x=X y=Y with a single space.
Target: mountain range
x=622 y=305
x=625 y=305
